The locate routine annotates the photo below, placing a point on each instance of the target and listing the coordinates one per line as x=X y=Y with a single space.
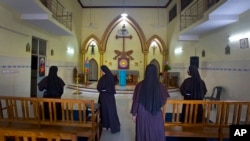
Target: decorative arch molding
x=114 y=23
x=157 y=64
x=90 y=38
x=161 y=44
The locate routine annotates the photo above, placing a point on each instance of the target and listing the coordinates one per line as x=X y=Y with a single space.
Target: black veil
x=150 y=94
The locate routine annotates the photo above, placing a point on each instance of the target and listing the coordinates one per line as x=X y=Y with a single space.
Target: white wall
x=15 y=62
x=232 y=71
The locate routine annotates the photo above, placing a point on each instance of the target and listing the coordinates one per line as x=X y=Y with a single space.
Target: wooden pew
x=28 y=113
x=215 y=121
x=9 y=134
x=234 y=113
x=74 y=117
x=209 y=127
x=19 y=110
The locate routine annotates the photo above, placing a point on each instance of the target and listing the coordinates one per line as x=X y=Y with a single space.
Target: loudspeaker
x=194 y=61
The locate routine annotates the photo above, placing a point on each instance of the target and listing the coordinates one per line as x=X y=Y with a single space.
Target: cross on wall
x=123 y=33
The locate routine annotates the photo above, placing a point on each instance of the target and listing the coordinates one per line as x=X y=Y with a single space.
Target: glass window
x=172 y=13
x=42 y=47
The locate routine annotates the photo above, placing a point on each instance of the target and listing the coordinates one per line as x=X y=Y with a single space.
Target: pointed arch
x=161 y=44
x=93 y=66
x=114 y=23
x=88 y=40
x=157 y=64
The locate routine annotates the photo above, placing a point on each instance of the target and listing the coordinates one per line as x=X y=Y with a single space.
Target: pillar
x=145 y=53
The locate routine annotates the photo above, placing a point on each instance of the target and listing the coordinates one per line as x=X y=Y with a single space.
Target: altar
x=171 y=79
x=131 y=76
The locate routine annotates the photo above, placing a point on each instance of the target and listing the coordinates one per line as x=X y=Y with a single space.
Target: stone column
x=83 y=60
x=101 y=60
x=145 y=61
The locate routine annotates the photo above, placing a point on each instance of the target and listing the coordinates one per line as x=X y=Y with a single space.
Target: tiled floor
x=123 y=102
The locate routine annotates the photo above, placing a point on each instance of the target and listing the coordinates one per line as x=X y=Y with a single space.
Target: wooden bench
x=8 y=134
x=215 y=123
x=28 y=113
x=234 y=113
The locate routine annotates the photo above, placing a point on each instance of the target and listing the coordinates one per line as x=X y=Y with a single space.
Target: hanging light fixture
x=124 y=15
x=158 y=24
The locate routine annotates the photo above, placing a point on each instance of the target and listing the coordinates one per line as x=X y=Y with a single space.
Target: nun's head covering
x=196 y=83
x=109 y=79
x=55 y=83
x=150 y=94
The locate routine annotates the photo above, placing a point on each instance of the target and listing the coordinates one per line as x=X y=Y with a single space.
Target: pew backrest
x=31 y=112
x=73 y=112
x=234 y=113
x=191 y=112
x=215 y=121
x=19 y=109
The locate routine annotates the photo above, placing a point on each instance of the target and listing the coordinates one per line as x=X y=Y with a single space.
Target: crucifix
x=123 y=33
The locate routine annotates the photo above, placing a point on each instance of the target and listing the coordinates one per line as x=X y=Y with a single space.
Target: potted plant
x=167 y=68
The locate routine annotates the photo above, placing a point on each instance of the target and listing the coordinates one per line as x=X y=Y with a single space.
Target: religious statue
x=86 y=65
x=86 y=71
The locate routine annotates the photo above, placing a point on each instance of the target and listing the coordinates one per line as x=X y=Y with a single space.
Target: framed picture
x=123 y=63
x=244 y=43
x=41 y=66
x=227 y=49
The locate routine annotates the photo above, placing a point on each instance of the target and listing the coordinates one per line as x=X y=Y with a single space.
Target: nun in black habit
x=53 y=87
x=193 y=88
x=106 y=89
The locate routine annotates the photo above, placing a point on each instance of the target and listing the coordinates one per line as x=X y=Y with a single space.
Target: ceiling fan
x=158 y=25
x=91 y=24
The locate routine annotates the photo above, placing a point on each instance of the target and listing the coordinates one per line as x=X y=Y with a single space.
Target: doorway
x=38 y=65
x=93 y=70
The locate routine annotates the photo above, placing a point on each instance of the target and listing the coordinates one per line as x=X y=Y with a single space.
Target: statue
x=86 y=65
x=86 y=71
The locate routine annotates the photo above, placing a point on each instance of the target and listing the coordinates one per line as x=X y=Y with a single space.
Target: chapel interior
x=79 y=36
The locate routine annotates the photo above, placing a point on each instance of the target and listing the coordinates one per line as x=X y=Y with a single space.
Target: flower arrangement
x=167 y=67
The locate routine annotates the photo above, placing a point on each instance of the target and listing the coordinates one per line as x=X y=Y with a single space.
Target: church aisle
x=127 y=132
x=123 y=103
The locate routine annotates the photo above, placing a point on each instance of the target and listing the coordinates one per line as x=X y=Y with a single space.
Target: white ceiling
x=226 y=14
x=123 y=3
x=33 y=12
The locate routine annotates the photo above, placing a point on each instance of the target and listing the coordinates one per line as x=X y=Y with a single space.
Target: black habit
x=106 y=89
